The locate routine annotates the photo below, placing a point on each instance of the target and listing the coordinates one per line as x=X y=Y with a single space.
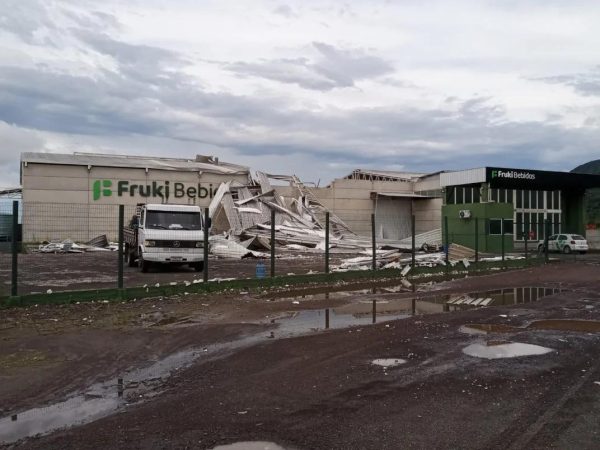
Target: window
x=469 y=195
x=556 y=202
x=460 y=195
x=509 y=196
x=534 y=200
x=502 y=195
x=450 y=198
x=495 y=226
x=494 y=195
x=476 y=195
x=526 y=199
x=540 y=200
x=508 y=226
x=519 y=198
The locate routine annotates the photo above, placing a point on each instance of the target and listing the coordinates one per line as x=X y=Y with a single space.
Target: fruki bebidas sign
x=155 y=190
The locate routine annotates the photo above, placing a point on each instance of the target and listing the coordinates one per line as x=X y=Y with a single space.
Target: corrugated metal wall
x=393 y=217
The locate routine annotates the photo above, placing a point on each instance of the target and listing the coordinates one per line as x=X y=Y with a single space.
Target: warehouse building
x=75 y=195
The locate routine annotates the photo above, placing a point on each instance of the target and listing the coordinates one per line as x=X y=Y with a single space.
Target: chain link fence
x=64 y=247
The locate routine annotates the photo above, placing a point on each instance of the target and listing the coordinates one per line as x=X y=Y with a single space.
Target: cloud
x=285 y=11
x=330 y=68
x=586 y=83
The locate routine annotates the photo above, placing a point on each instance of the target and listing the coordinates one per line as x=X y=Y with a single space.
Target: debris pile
x=242 y=215
x=98 y=244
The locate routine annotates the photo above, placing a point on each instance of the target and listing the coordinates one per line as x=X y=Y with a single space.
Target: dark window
x=556 y=204
x=519 y=198
x=549 y=200
x=476 y=195
x=540 y=199
x=526 y=199
x=509 y=196
x=495 y=226
x=460 y=198
x=450 y=199
x=533 y=200
x=469 y=195
x=508 y=226
x=502 y=195
x=494 y=195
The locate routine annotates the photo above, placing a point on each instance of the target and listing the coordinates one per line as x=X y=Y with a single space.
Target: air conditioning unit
x=464 y=214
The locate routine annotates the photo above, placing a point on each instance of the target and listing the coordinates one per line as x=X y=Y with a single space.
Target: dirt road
x=313 y=388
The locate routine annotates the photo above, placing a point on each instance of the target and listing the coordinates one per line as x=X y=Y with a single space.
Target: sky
x=311 y=88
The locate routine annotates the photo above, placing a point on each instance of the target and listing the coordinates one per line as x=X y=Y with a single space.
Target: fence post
x=206 y=231
x=120 y=254
x=446 y=240
x=476 y=239
x=502 y=239
x=373 y=242
x=526 y=236
x=327 y=242
x=546 y=233
x=14 y=249
x=272 y=243
x=413 y=241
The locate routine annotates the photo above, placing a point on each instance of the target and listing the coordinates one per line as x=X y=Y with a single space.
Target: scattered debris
x=388 y=362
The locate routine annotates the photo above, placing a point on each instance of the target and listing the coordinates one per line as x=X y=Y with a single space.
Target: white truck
x=165 y=234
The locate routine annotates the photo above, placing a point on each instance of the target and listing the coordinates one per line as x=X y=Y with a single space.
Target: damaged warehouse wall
x=75 y=196
x=354 y=200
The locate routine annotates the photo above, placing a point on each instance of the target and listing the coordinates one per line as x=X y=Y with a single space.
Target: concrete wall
x=428 y=214
x=60 y=201
x=351 y=200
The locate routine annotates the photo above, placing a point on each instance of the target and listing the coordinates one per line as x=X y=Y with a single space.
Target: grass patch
x=255 y=284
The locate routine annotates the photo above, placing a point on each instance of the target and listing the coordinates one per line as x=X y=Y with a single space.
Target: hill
x=592 y=199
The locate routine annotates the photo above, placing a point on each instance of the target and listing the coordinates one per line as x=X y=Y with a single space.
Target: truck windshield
x=173 y=220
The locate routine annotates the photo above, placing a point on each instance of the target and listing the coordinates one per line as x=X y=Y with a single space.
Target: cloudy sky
x=315 y=88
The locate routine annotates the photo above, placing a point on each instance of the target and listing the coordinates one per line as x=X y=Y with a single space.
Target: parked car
x=565 y=243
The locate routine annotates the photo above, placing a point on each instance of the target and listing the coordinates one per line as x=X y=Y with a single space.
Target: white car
x=565 y=243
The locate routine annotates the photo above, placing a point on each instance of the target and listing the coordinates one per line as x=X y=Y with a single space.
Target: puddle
x=583 y=326
x=504 y=350
x=388 y=362
x=102 y=399
x=303 y=322
x=510 y=296
x=250 y=445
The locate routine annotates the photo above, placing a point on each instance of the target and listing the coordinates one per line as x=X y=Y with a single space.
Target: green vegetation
x=254 y=284
x=592 y=197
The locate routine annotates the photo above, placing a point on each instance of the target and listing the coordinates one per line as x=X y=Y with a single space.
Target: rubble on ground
x=98 y=244
x=242 y=214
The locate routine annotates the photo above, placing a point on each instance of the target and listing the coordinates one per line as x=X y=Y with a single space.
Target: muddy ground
x=39 y=272
x=314 y=388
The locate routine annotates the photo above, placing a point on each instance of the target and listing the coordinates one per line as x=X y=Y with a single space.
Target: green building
x=510 y=206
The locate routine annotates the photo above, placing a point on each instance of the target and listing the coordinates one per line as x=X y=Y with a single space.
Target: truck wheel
x=144 y=265
x=198 y=266
x=129 y=256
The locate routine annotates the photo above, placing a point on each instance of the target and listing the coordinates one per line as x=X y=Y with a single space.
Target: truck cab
x=166 y=234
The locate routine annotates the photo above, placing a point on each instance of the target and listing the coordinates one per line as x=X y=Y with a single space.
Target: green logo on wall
x=155 y=189
x=494 y=173
x=102 y=188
